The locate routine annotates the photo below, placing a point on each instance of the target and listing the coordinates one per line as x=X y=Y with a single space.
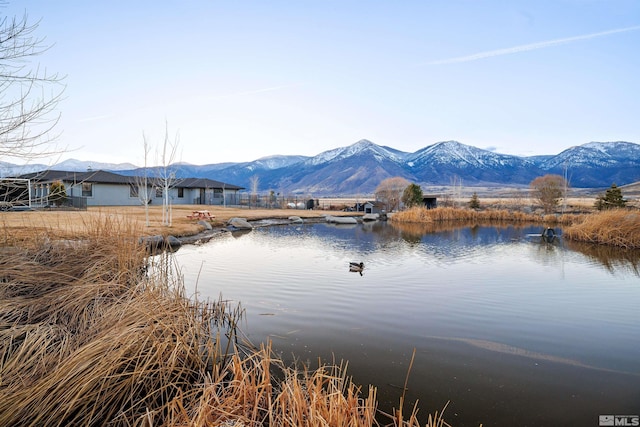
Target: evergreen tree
x=611 y=199
x=412 y=196
x=474 y=203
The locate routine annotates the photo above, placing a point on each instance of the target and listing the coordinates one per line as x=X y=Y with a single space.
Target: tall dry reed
x=618 y=227
x=90 y=336
x=442 y=214
x=86 y=339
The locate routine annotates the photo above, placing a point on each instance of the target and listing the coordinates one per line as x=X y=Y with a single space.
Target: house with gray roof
x=104 y=188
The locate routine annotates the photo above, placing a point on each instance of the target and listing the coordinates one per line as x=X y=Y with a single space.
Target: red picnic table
x=200 y=215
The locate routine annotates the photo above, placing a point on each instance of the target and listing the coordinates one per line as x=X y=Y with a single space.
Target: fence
x=251 y=201
x=65 y=203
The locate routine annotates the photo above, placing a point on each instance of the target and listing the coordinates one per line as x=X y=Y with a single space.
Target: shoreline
x=207 y=235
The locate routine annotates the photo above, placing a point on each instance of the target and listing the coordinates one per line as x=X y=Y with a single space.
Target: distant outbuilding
x=430 y=202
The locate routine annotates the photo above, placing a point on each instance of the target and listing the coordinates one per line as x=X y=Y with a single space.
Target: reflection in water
x=416 y=231
x=612 y=258
x=511 y=329
x=515 y=351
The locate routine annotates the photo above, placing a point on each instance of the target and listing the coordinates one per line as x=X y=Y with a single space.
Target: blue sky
x=244 y=79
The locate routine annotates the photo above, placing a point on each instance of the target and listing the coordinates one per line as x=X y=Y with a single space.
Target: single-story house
x=103 y=188
x=374 y=208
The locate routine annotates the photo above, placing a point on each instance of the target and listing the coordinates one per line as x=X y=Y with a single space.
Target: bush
x=57 y=193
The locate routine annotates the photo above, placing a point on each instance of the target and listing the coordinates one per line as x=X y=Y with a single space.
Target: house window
x=217 y=193
x=180 y=193
x=158 y=191
x=133 y=190
x=87 y=189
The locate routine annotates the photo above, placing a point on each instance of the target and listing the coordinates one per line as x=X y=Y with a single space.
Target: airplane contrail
x=532 y=46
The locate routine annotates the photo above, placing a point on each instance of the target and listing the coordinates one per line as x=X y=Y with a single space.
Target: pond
x=509 y=329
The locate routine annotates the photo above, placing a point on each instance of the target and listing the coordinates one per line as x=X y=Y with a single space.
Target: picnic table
x=200 y=215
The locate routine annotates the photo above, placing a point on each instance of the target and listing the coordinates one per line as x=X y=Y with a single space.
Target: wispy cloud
x=532 y=46
x=94 y=118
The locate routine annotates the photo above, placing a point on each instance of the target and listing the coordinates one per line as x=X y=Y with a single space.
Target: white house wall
x=119 y=195
x=106 y=195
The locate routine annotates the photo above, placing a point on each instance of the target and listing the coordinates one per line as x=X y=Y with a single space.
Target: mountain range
x=360 y=167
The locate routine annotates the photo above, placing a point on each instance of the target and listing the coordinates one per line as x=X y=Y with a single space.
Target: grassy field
x=75 y=224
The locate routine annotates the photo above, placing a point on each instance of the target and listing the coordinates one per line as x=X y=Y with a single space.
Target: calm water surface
x=508 y=329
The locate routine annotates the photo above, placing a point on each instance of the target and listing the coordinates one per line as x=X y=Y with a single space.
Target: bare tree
x=548 y=191
x=390 y=191
x=28 y=94
x=517 y=198
x=254 y=182
x=456 y=189
x=142 y=182
x=166 y=175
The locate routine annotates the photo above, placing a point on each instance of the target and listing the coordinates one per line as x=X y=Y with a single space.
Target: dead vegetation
x=92 y=334
x=617 y=227
x=78 y=224
x=463 y=215
x=620 y=227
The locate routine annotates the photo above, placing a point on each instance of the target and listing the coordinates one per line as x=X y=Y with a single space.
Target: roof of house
x=100 y=176
x=106 y=177
x=46 y=175
x=205 y=183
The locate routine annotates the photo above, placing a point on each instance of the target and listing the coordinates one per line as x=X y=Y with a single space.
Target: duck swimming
x=356 y=267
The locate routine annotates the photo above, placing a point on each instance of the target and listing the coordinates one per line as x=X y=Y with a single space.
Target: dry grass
x=90 y=336
x=619 y=227
x=78 y=224
x=421 y=215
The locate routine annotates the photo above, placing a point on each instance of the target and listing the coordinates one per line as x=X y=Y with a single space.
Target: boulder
x=152 y=243
x=173 y=242
x=158 y=243
x=341 y=219
x=371 y=217
x=207 y=226
x=239 y=224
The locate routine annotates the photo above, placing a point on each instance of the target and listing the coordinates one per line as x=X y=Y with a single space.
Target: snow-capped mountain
x=462 y=156
x=443 y=161
x=275 y=162
x=10 y=169
x=75 y=165
x=359 y=148
x=595 y=154
x=597 y=163
x=360 y=167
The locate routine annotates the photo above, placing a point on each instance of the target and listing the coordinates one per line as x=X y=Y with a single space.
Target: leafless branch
x=29 y=96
